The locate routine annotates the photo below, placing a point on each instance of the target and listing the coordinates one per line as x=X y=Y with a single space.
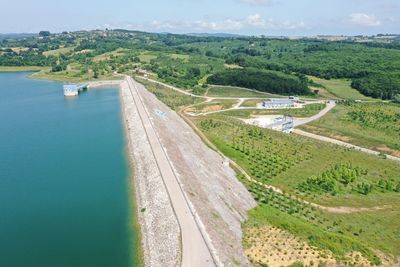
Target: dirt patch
x=346 y=210
x=212 y=108
x=387 y=150
x=275 y=247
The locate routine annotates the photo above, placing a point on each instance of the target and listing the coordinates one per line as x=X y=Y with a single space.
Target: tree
x=44 y=33
x=396 y=98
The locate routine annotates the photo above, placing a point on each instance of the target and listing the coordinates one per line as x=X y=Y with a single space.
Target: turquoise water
x=64 y=188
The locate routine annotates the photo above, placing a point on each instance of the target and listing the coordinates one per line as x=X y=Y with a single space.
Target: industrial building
x=73 y=89
x=275 y=122
x=278 y=103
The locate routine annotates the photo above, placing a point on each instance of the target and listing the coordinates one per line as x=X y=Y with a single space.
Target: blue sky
x=268 y=17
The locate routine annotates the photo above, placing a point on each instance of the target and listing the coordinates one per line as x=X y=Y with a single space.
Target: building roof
x=276 y=101
x=71 y=87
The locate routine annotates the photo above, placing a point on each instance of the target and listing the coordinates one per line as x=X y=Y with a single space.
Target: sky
x=249 y=17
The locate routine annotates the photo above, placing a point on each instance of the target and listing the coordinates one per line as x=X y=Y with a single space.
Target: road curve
x=329 y=106
x=195 y=252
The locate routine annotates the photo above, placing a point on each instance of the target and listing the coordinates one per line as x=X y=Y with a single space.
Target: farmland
x=288 y=163
x=370 y=125
x=318 y=203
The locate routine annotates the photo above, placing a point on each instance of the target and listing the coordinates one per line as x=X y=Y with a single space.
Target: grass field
x=170 y=97
x=215 y=105
x=371 y=125
x=106 y=56
x=340 y=88
x=185 y=58
x=232 y=66
x=21 y=68
x=251 y=103
x=146 y=57
x=227 y=91
x=58 y=52
x=287 y=161
x=308 y=111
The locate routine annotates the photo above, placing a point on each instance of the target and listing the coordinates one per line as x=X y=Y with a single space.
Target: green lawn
x=371 y=125
x=340 y=88
x=228 y=91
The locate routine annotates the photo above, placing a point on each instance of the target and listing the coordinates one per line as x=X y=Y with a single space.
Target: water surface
x=64 y=193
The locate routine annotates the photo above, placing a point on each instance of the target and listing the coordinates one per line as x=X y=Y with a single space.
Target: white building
x=278 y=103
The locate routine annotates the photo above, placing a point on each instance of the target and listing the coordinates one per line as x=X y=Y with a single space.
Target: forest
x=372 y=67
x=267 y=81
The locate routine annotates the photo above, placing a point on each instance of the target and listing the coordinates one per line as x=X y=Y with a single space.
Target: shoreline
x=136 y=221
x=159 y=230
x=6 y=69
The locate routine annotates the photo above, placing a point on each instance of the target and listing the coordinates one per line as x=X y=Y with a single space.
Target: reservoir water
x=64 y=190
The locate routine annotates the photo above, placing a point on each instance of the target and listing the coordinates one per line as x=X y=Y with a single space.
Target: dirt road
x=195 y=251
x=341 y=143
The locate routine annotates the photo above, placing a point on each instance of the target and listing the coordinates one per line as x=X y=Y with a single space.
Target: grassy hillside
x=370 y=125
x=290 y=163
x=340 y=88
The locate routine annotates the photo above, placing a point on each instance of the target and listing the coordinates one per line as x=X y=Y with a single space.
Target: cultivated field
x=353 y=189
x=370 y=125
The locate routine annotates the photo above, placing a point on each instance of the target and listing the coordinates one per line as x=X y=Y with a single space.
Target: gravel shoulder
x=220 y=202
x=159 y=227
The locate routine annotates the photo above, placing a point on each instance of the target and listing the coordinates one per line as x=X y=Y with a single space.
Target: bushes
x=332 y=180
x=266 y=81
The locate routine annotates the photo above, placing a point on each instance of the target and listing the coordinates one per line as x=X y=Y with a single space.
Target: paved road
x=329 y=106
x=195 y=252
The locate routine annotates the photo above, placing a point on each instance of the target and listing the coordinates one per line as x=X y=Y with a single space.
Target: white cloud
x=365 y=20
x=251 y=22
x=256 y=2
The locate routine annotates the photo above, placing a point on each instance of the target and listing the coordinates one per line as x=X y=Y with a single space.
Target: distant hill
x=16 y=35
x=224 y=35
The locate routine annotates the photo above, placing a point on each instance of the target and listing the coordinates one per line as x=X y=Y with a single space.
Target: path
x=195 y=251
x=329 y=106
x=341 y=143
